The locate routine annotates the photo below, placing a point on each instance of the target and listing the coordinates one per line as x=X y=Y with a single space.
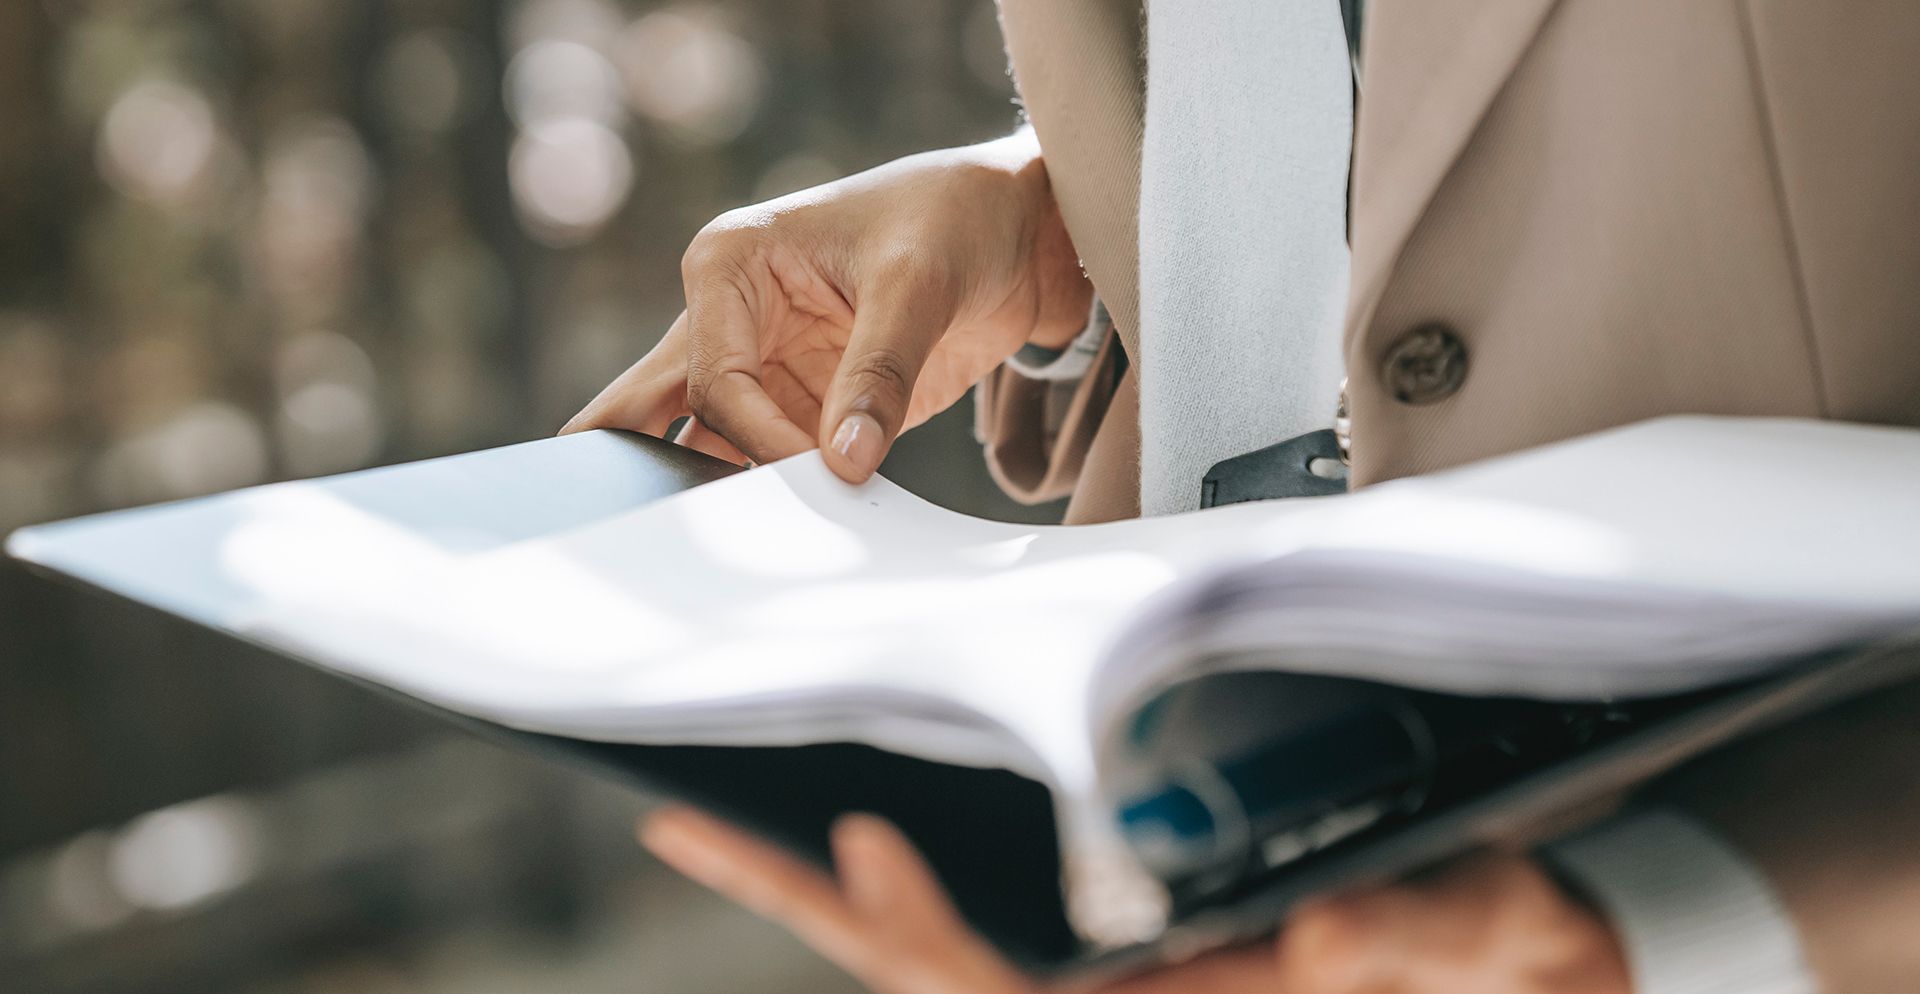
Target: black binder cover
x=991 y=836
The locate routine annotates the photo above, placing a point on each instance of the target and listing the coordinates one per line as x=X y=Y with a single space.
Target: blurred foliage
x=252 y=239
x=248 y=240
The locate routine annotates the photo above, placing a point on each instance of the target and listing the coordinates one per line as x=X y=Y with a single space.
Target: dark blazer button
x=1426 y=365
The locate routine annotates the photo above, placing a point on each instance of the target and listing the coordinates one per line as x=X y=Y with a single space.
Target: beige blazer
x=1567 y=215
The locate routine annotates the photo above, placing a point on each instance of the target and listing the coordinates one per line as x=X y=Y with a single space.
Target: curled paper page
x=534 y=587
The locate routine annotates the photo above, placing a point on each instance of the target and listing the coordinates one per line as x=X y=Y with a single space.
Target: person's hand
x=1492 y=923
x=840 y=316
x=887 y=921
x=1488 y=925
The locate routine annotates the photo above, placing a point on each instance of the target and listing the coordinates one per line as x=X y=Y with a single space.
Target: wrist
x=1017 y=160
x=1065 y=294
x=1051 y=265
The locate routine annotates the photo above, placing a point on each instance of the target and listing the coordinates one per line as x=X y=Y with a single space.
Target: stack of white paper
x=782 y=606
x=1652 y=559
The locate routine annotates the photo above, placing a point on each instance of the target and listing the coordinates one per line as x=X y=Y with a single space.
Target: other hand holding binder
x=1548 y=606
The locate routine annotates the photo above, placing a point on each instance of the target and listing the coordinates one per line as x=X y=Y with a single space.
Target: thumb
x=866 y=405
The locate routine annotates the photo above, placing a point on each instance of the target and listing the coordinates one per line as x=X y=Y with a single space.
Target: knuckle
x=1328 y=931
x=702 y=370
x=897 y=258
x=724 y=242
x=884 y=374
x=907 y=265
x=912 y=268
x=704 y=254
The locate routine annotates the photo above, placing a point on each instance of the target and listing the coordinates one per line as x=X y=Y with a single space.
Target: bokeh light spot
x=80 y=888
x=685 y=70
x=185 y=854
x=590 y=22
x=208 y=447
x=329 y=421
x=568 y=178
x=157 y=141
x=552 y=81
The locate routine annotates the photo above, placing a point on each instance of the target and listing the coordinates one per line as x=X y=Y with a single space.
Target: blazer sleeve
x=1692 y=914
x=1037 y=430
x=1828 y=810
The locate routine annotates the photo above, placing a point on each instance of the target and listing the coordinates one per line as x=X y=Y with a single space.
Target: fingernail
x=664 y=830
x=672 y=836
x=858 y=443
x=857 y=856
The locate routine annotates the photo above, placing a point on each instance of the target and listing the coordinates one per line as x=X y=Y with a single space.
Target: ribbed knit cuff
x=1064 y=365
x=1692 y=914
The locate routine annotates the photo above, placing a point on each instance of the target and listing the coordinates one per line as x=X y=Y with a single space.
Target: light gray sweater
x=1243 y=238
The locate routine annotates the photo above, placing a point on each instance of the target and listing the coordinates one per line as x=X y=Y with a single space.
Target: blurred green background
x=250 y=240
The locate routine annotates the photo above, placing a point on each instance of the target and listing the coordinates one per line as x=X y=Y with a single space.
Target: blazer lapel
x=1430 y=69
x=1078 y=65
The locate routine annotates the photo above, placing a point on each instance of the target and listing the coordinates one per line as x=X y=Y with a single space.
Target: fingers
x=1344 y=946
x=649 y=396
x=1488 y=923
x=723 y=373
x=714 y=362
x=1245 y=969
x=763 y=879
x=890 y=924
x=894 y=890
x=700 y=438
x=885 y=877
x=894 y=330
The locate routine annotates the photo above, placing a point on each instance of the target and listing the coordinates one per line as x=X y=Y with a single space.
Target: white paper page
x=1657 y=558
x=776 y=606
x=780 y=605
